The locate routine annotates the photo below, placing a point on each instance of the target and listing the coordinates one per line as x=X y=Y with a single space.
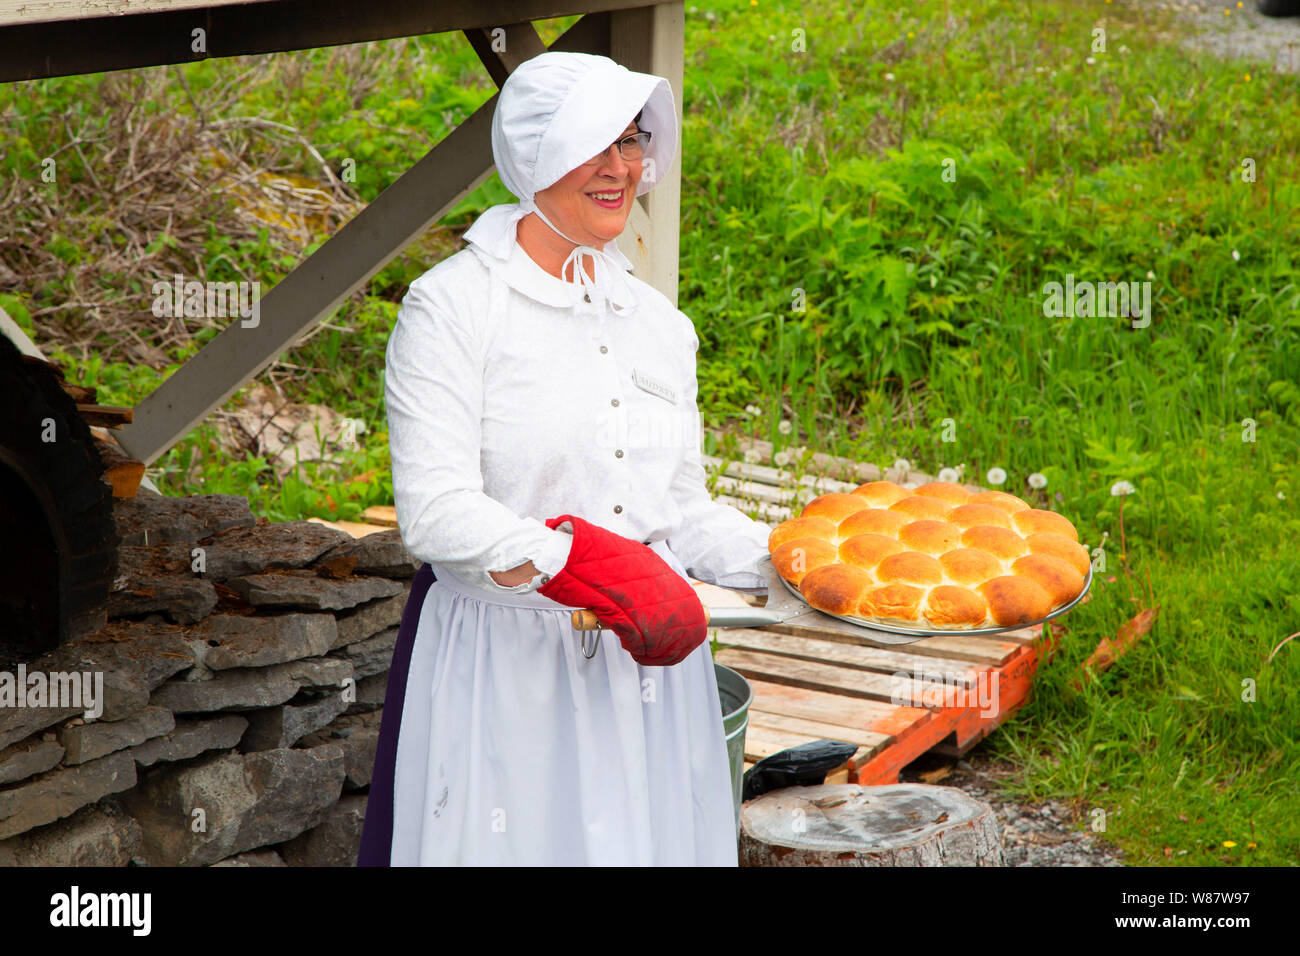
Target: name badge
x=653 y=386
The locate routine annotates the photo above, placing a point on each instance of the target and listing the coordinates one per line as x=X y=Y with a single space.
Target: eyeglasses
x=631 y=148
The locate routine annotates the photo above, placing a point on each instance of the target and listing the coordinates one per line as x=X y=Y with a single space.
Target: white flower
x=1037 y=480
x=996 y=476
x=751 y=455
x=1123 y=49
x=902 y=466
x=949 y=475
x=1090 y=61
x=752 y=409
x=889 y=77
x=1122 y=488
x=785 y=427
x=781 y=459
x=1236 y=256
x=1280 y=496
x=1150 y=274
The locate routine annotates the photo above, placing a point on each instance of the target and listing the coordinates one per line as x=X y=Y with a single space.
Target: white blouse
x=508 y=406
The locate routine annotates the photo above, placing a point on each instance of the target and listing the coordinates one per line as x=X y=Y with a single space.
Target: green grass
x=822 y=171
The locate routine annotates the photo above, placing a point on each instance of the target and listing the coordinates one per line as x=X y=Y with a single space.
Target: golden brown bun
x=1034 y=521
x=999 y=542
x=1015 y=600
x=930 y=537
x=968 y=516
x=1055 y=575
x=866 y=551
x=1000 y=499
x=933 y=556
x=969 y=567
x=881 y=494
x=793 y=528
x=910 y=567
x=920 y=508
x=796 y=558
x=945 y=491
x=874 y=521
x=948 y=606
x=898 y=602
x=1059 y=546
x=834 y=506
x=835 y=588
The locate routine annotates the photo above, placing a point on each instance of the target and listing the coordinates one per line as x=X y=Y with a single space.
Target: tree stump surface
x=907 y=824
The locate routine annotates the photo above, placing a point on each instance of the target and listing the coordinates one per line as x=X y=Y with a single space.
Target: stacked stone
x=244 y=668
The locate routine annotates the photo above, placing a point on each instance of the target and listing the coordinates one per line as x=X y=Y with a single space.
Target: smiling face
x=570 y=204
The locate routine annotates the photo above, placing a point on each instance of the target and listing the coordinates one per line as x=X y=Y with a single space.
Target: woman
x=545 y=448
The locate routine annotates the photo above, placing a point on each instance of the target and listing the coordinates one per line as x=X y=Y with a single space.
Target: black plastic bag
x=803 y=766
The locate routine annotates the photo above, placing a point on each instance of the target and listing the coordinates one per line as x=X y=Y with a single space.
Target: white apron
x=517 y=750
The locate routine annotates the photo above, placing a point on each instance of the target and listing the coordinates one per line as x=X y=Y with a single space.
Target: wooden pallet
x=941 y=694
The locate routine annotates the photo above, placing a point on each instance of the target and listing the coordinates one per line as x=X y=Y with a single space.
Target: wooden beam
x=57 y=38
x=415 y=202
x=651 y=40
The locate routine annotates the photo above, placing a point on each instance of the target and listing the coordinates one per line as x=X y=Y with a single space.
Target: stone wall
x=244 y=665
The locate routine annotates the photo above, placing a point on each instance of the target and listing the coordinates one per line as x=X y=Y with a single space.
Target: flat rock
x=358 y=735
x=369 y=619
x=62 y=792
x=251 y=688
x=84 y=742
x=371 y=656
x=159 y=580
x=335 y=841
x=150 y=520
x=192 y=737
x=309 y=591
x=232 y=640
x=236 y=802
x=27 y=758
x=287 y=544
x=381 y=554
x=100 y=835
x=279 y=727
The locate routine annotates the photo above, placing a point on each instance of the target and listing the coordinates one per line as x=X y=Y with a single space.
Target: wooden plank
x=769 y=513
x=989 y=651
x=869 y=742
x=355 y=528
x=385 y=515
x=106 y=416
x=761 y=743
x=884 y=719
x=883 y=659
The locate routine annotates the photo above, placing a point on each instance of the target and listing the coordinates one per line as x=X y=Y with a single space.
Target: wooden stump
x=906 y=824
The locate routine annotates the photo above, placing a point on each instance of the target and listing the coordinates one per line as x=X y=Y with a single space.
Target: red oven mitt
x=654 y=610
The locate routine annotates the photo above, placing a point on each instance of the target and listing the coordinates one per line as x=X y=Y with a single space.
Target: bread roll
x=835 y=588
x=881 y=494
x=935 y=556
x=834 y=506
x=874 y=521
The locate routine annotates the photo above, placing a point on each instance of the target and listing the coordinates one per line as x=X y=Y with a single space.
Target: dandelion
x=911 y=35
x=785 y=427
x=1123 y=49
x=996 y=476
x=1091 y=61
x=1229 y=843
x=1122 y=488
x=1247 y=77
x=1236 y=256
x=949 y=475
x=753 y=410
x=781 y=459
x=889 y=77
x=752 y=456
x=1038 y=480
x=1281 y=497
x=902 y=466
x=1150 y=274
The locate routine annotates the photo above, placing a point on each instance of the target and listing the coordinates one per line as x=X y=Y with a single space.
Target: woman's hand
x=515 y=576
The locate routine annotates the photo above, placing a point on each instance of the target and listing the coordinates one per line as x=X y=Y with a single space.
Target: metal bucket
x=736 y=695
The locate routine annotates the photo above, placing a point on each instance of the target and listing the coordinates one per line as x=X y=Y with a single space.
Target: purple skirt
x=377 y=831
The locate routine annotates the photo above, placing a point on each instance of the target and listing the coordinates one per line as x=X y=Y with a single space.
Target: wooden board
x=886 y=720
x=355 y=528
x=385 y=515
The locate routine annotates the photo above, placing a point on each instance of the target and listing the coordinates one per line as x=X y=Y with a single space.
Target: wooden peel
x=586 y=620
